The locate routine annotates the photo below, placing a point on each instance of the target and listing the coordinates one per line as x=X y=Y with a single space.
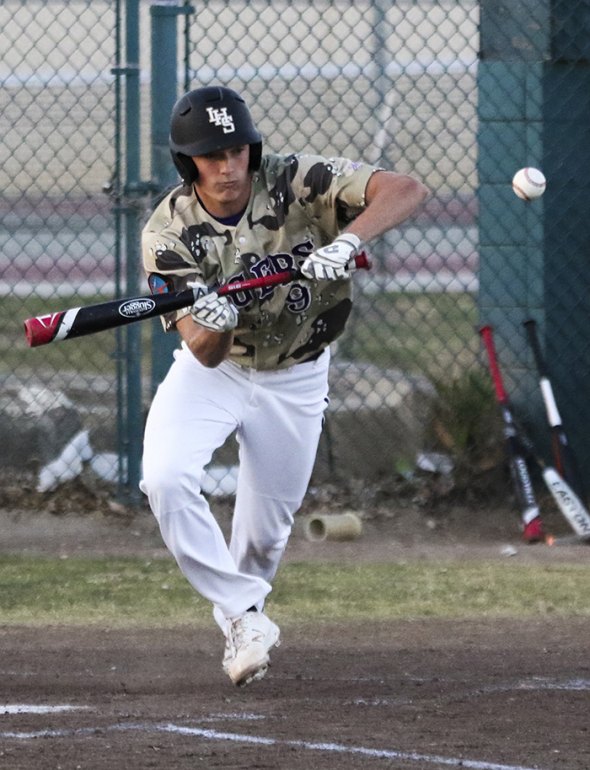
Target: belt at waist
x=312 y=357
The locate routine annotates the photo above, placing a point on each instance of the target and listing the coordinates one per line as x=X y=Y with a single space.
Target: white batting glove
x=331 y=262
x=212 y=311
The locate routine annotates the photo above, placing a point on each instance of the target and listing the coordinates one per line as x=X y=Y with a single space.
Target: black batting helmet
x=208 y=119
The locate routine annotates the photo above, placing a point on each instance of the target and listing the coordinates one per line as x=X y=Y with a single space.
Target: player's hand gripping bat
x=532 y=526
x=80 y=321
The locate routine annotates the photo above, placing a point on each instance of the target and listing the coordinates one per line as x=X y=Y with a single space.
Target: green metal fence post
x=121 y=426
x=566 y=162
x=133 y=190
x=514 y=43
x=164 y=92
x=533 y=256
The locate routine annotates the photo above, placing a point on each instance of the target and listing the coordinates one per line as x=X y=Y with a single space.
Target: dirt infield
x=427 y=694
x=424 y=694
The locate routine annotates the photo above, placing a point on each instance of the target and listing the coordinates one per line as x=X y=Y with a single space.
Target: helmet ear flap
x=185 y=167
x=255 y=156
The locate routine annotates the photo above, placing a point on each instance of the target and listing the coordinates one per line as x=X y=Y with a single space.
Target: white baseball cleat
x=250 y=638
x=227 y=656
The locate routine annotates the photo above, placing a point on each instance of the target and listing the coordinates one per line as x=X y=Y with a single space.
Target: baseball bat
x=90 y=319
x=532 y=527
x=563 y=456
x=564 y=497
x=568 y=502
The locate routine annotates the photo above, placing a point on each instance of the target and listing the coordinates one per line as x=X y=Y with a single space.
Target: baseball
x=529 y=183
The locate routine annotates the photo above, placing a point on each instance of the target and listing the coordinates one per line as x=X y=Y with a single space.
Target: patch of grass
x=126 y=592
x=466 y=424
x=431 y=334
x=117 y=592
x=418 y=590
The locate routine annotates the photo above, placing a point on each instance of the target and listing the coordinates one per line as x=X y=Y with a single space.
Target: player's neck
x=226 y=213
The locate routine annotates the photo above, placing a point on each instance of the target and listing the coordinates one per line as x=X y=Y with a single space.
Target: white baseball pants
x=277 y=416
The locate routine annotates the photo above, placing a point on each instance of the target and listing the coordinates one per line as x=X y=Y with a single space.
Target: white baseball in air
x=529 y=183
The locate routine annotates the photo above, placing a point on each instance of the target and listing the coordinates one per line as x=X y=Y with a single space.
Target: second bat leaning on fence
x=565 y=498
x=563 y=456
x=532 y=525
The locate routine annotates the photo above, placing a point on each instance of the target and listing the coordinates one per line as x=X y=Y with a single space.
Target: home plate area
x=486 y=695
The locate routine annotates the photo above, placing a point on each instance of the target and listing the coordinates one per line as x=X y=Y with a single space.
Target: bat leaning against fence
x=90 y=319
x=565 y=498
x=563 y=456
x=532 y=525
x=568 y=502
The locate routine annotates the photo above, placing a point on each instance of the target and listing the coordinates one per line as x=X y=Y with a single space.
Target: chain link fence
x=57 y=233
x=392 y=84
x=395 y=85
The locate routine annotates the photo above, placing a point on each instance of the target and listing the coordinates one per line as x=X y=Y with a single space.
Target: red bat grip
x=41 y=330
x=362 y=261
x=487 y=335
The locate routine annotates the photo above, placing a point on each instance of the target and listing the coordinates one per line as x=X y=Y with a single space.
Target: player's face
x=224 y=180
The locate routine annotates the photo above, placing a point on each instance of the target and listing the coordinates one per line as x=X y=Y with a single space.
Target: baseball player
x=254 y=366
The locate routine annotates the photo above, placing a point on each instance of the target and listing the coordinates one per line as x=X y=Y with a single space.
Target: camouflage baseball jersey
x=298 y=204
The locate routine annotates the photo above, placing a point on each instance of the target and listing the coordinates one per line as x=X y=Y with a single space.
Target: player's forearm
x=391 y=198
x=208 y=347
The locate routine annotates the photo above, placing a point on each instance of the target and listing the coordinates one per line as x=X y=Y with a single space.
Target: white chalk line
x=340 y=748
x=537 y=684
x=216 y=735
x=34 y=708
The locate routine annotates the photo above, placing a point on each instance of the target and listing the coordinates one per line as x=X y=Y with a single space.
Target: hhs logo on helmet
x=219 y=117
x=207 y=120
